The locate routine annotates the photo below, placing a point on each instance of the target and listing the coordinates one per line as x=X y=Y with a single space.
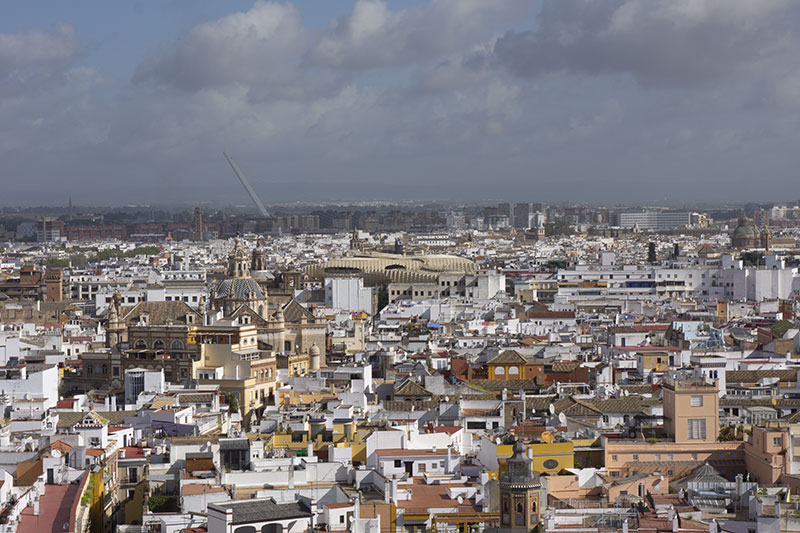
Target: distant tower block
x=197 y=225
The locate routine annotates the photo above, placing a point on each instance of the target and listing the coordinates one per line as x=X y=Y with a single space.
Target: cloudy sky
x=560 y=100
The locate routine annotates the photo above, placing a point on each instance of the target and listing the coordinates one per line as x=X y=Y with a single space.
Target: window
x=777 y=441
x=423 y=468
x=697 y=428
x=696 y=401
x=613 y=457
x=694 y=457
x=657 y=457
x=341 y=519
x=635 y=457
x=398 y=463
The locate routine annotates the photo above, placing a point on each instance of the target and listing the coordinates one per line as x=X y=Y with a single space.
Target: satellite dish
x=460 y=499
x=497 y=441
x=552 y=409
x=562 y=419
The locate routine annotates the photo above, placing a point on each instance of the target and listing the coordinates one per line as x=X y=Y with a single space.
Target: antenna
x=246 y=185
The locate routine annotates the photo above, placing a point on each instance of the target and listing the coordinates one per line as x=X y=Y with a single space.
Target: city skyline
x=604 y=102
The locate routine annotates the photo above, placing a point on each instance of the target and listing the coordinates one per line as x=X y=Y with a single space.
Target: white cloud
x=260 y=46
x=34 y=48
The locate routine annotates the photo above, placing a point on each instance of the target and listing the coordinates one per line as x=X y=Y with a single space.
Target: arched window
x=140 y=344
x=177 y=345
x=520 y=515
x=158 y=345
x=499 y=371
x=245 y=529
x=513 y=371
x=261 y=310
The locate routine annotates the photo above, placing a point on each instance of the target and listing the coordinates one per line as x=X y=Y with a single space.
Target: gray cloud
x=598 y=101
x=375 y=36
x=681 y=43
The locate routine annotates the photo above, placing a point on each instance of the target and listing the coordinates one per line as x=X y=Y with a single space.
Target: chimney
x=447 y=464
x=625 y=526
x=291 y=475
x=712 y=526
x=113 y=403
x=36 y=506
x=671 y=513
x=675 y=526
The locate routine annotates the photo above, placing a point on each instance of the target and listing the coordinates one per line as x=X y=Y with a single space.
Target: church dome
x=745 y=235
x=744 y=229
x=239 y=289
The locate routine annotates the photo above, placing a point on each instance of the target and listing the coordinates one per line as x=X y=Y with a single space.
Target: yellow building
x=548 y=458
x=230 y=358
x=691 y=409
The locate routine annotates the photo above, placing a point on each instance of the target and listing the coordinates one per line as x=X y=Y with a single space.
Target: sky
x=585 y=101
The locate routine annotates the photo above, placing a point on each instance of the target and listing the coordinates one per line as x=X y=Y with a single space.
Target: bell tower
x=238 y=261
x=520 y=492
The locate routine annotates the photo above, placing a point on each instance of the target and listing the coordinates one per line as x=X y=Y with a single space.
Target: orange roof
x=60 y=446
x=94 y=452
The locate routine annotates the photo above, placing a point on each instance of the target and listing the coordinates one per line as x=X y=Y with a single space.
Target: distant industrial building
x=654 y=220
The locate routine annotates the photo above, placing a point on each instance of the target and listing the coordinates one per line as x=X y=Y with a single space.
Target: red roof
x=68 y=403
x=131 y=452
x=55 y=510
x=651 y=327
x=338 y=505
x=447 y=429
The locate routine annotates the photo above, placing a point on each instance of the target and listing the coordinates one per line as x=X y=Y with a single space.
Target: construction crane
x=246 y=185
